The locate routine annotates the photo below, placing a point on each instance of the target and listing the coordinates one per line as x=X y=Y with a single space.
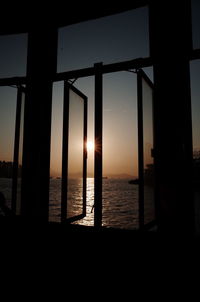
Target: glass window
x=195 y=98
x=75 y=155
x=109 y=39
x=13 y=55
x=20 y=155
x=56 y=153
x=8 y=98
x=120 y=151
x=148 y=145
x=196 y=23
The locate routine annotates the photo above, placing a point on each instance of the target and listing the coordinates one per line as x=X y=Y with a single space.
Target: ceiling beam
x=20 y=19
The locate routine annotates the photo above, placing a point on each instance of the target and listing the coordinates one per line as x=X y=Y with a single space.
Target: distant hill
x=91 y=175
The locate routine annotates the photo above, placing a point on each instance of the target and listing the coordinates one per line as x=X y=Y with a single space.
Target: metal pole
x=85 y=158
x=98 y=147
x=16 y=150
x=140 y=151
x=65 y=153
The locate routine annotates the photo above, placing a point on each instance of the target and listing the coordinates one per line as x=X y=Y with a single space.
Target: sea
x=120 y=201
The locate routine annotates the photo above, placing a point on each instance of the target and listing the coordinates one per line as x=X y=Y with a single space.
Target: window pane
x=13 y=55
x=56 y=153
x=110 y=39
x=75 y=155
x=8 y=98
x=18 y=199
x=120 y=151
x=86 y=86
x=196 y=23
x=149 y=202
x=195 y=98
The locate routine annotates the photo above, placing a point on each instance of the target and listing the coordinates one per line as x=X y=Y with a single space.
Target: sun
x=90 y=146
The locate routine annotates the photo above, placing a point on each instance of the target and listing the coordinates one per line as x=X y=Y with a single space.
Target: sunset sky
x=111 y=39
x=107 y=40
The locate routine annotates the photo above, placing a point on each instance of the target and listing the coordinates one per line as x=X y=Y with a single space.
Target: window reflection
x=148 y=145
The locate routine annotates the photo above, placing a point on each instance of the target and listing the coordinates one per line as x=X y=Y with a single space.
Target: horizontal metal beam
x=13 y=81
x=108 y=68
x=127 y=65
x=85 y=72
x=23 y=21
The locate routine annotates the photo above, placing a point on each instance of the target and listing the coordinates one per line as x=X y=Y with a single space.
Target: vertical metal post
x=140 y=151
x=85 y=158
x=98 y=146
x=41 y=69
x=16 y=150
x=65 y=153
x=172 y=106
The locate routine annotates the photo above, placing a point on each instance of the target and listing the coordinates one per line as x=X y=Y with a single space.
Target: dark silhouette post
x=170 y=45
x=140 y=150
x=16 y=150
x=65 y=153
x=85 y=156
x=98 y=146
x=41 y=68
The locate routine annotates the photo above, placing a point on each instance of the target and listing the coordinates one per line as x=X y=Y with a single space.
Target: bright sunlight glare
x=90 y=146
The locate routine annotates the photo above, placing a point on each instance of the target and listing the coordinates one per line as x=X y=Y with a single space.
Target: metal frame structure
x=98 y=70
x=140 y=150
x=20 y=91
x=67 y=88
x=171 y=64
x=142 y=76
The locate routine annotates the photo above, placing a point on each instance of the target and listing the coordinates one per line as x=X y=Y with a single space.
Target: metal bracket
x=133 y=70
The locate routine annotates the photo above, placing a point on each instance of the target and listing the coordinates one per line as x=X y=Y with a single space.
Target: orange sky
x=119 y=127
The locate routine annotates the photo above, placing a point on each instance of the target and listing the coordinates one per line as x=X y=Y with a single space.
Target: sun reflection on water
x=89 y=218
x=120 y=202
